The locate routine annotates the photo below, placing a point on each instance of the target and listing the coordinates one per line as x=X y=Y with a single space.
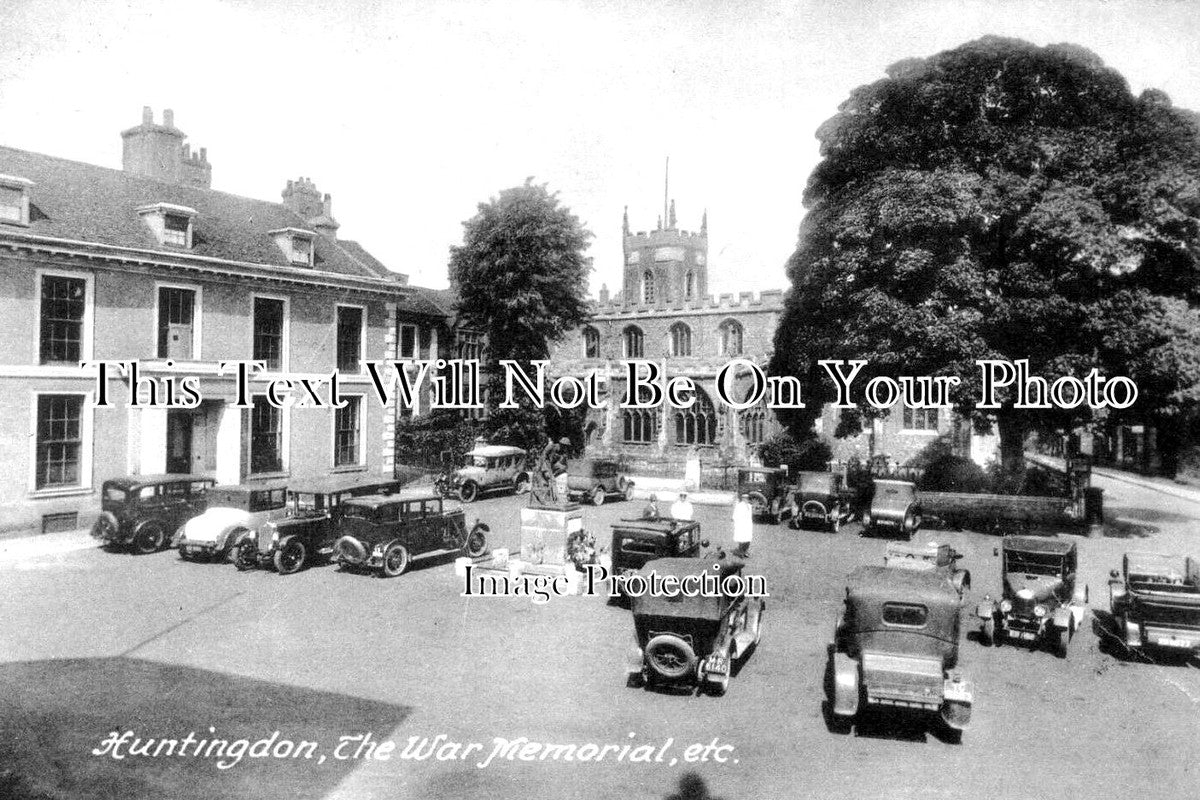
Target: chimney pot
x=147 y=115
x=168 y=118
x=203 y=154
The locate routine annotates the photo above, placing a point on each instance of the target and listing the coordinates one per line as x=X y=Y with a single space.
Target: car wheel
x=395 y=560
x=290 y=556
x=468 y=492
x=987 y=633
x=245 y=554
x=477 y=541
x=598 y=495
x=349 y=551
x=669 y=656
x=149 y=537
x=235 y=538
x=522 y=486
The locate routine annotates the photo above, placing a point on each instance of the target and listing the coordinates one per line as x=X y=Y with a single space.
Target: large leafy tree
x=521 y=277
x=1001 y=200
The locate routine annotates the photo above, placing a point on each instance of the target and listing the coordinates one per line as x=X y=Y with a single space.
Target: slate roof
x=84 y=202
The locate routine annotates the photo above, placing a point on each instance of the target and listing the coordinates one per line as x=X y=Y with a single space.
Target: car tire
x=522 y=485
x=349 y=551
x=670 y=657
x=245 y=554
x=291 y=556
x=598 y=496
x=395 y=560
x=149 y=537
x=477 y=540
x=468 y=492
x=758 y=625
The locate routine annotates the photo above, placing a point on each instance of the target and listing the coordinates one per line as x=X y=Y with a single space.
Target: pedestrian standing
x=681 y=509
x=743 y=526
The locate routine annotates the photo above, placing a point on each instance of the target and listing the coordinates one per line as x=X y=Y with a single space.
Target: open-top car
x=638 y=541
x=694 y=639
x=233 y=513
x=769 y=491
x=896 y=644
x=597 y=479
x=895 y=510
x=386 y=532
x=489 y=468
x=142 y=511
x=310 y=528
x=821 y=500
x=941 y=559
x=1155 y=601
x=1042 y=600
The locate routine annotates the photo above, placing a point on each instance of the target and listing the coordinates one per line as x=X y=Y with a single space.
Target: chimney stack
x=158 y=152
x=302 y=198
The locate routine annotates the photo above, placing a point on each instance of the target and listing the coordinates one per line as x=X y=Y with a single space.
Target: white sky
x=411 y=113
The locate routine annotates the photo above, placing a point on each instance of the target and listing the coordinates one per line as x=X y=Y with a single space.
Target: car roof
x=682 y=567
x=150 y=480
x=251 y=487
x=1039 y=544
x=332 y=484
x=493 y=450
x=377 y=500
x=886 y=583
x=1150 y=563
x=653 y=526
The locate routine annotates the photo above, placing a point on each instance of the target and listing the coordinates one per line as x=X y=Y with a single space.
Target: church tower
x=666 y=266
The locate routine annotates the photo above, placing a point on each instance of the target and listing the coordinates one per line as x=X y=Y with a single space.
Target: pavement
x=1155 y=484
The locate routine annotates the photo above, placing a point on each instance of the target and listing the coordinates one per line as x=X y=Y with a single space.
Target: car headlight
x=1005 y=606
x=378 y=551
x=866 y=519
x=1039 y=611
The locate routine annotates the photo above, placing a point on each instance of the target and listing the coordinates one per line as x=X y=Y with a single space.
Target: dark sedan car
x=143 y=511
x=386 y=532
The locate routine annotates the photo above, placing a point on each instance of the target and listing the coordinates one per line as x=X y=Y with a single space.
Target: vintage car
x=597 y=479
x=142 y=511
x=693 y=639
x=895 y=510
x=309 y=529
x=233 y=513
x=489 y=468
x=637 y=541
x=769 y=491
x=1041 y=601
x=895 y=643
x=386 y=532
x=821 y=499
x=1155 y=602
x=941 y=559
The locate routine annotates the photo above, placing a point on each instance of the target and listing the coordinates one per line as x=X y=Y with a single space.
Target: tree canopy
x=1001 y=200
x=521 y=278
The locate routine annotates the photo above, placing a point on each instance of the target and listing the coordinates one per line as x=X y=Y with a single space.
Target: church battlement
x=766 y=300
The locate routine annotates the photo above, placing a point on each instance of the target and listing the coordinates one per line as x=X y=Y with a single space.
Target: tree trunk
x=1013 y=430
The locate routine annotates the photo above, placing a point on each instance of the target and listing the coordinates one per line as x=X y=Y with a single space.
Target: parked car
x=693 y=640
x=638 y=541
x=309 y=529
x=597 y=479
x=941 y=559
x=769 y=491
x=1042 y=600
x=489 y=468
x=821 y=499
x=1155 y=602
x=386 y=532
x=142 y=511
x=896 y=644
x=895 y=510
x=233 y=513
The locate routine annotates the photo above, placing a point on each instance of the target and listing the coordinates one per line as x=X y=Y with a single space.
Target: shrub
x=807 y=454
x=955 y=474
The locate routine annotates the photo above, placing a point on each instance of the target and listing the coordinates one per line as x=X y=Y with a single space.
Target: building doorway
x=192 y=438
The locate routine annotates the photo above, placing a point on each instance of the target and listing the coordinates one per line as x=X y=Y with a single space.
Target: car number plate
x=1172 y=641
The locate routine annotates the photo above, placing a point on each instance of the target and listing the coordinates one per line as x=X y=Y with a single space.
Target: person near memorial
x=743 y=526
x=682 y=509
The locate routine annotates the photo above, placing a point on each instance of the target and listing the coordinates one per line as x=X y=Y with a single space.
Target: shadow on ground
x=56 y=714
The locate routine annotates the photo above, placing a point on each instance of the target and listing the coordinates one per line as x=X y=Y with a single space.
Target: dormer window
x=170 y=224
x=14 y=199
x=296 y=245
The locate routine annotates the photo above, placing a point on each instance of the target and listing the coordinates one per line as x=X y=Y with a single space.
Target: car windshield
x=114 y=495
x=477 y=461
x=1034 y=563
x=306 y=503
x=639 y=546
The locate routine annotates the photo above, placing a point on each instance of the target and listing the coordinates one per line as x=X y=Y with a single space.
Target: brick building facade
x=150 y=263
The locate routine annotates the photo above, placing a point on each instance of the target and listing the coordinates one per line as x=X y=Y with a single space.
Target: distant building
x=665 y=313
x=150 y=263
